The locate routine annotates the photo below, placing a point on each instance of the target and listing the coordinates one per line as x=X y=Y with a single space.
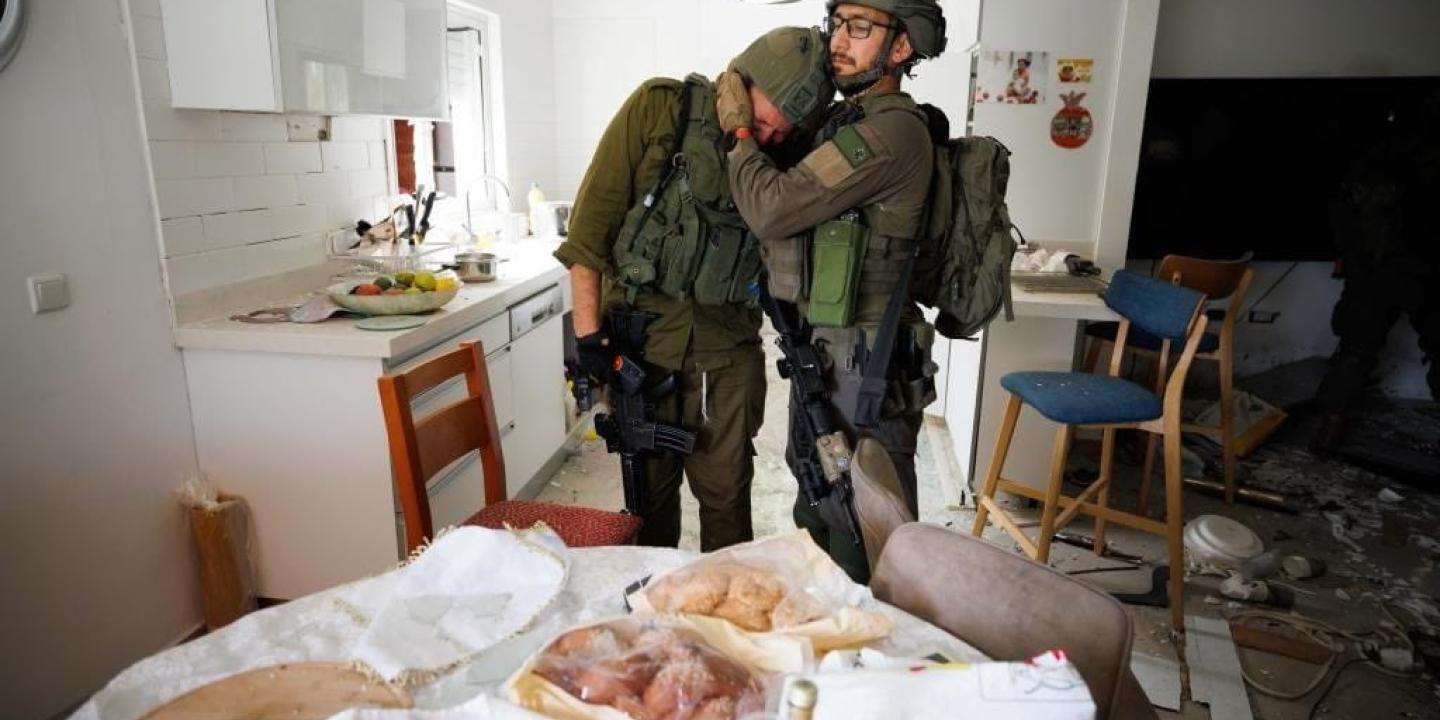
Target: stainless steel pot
x=477 y=267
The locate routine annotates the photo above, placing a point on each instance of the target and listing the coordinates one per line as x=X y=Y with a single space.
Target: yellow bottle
x=534 y=199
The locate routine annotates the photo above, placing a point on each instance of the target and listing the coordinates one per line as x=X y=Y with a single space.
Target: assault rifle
x=630 y=428
x=824 y=452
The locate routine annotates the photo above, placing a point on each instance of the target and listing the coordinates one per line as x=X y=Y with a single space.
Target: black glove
x=597 y=358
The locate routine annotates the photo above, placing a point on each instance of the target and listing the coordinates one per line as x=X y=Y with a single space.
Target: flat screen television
x=1230 y=165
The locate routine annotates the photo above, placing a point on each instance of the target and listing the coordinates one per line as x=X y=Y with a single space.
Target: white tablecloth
x=325 y=627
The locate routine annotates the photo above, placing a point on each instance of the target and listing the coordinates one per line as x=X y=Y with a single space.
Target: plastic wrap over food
x=642 y=669
x=772 y=603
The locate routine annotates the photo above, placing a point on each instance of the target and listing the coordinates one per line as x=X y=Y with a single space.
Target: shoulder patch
x=852 y=146
x=828 y=164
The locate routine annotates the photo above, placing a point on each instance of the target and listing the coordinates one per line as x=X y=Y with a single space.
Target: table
x=327 y=624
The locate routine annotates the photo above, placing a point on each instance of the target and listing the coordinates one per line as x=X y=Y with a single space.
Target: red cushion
x=577 y=526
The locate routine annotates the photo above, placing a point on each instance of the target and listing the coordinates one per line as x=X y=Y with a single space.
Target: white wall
x=605 y=48
x=1297 y=38
x=94 y=425
x=525 y=145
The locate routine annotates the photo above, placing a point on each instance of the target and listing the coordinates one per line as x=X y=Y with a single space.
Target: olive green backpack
x=963 y=268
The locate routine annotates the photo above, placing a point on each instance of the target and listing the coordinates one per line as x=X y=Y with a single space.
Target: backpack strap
x=871 y=398
x=672 y=163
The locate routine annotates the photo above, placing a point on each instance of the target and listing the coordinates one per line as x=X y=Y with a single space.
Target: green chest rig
x=685 y=239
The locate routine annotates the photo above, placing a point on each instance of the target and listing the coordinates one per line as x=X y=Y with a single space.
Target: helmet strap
x=857 y=83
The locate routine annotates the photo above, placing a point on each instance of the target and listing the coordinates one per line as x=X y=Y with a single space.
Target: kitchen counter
x=288 y=417
x=530 y=269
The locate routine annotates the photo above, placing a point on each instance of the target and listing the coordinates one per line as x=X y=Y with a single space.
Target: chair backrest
x=879 y=501
x=419 y=448
x=1218 y=279
x=1010 y=608
x=1160 y=308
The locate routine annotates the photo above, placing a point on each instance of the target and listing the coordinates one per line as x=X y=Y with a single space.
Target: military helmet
x=791 y=66
x=923 y=19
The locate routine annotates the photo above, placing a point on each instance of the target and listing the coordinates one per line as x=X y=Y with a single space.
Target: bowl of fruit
x=403 y=293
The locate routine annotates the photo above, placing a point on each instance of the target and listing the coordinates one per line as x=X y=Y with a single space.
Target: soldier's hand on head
x=732 y=102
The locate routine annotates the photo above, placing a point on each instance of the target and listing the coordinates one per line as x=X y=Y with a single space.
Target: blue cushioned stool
x=1217 y=279
x=1109 y=403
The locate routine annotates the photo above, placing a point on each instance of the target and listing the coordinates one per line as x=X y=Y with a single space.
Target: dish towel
x=470 y=589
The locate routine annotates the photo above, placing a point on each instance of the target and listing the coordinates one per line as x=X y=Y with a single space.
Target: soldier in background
x=1387 y=225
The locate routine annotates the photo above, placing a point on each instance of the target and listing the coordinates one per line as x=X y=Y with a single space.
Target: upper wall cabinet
x=334 y=57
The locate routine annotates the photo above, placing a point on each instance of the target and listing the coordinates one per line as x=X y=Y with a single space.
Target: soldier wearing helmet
x=654 y=228
x=853 y=207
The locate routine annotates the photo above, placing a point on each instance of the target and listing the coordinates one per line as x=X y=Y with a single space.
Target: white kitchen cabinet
x=302 y=438
x=333 y=57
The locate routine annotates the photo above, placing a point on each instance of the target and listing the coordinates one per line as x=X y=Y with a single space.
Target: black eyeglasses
x=857 y=28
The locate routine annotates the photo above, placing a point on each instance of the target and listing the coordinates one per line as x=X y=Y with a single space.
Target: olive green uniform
x=715 y=348
x=880 y=164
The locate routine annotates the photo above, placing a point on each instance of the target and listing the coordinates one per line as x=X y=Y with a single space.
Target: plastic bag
x=772 y=603
x=642 y=669
x=221 y=527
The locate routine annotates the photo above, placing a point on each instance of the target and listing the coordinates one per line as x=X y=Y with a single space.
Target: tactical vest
x=891 y=234
x=685 y=238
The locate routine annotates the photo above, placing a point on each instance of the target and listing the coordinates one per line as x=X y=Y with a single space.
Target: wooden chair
x=421 y=448
x=1107 y=403
x=1217 y=279
x=1012 y=609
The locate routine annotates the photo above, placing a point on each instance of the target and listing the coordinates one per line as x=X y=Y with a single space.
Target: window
x=453 y=157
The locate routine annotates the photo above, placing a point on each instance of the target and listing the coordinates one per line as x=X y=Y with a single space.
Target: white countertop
x=531 y=268
x=1072 y=306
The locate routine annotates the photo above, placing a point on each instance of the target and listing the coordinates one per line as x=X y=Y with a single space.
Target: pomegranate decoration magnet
x=1072 y=125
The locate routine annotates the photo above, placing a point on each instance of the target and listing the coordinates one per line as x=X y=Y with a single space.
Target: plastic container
x=535 y=198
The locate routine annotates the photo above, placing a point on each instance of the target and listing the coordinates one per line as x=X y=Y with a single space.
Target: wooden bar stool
x=420 y=449
x=1217 y=279
x=1108 y=403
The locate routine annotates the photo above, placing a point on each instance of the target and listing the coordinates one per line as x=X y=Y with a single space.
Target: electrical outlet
x=1263 y=317
x=48 y=292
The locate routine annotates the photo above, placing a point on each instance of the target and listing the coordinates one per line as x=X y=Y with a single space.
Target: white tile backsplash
x=172 y=160
x=237 y=228
x=325 y=187
x=183 y=236
x=294 y=220
x=265 y=191
x=345 y=214
x=256 y=127
x=368 y=183
x=357 y=128
x=296 y=157
x=179 y=198
x=379 y=157
x=163 y=122
x=339 y=155
x=219 y=159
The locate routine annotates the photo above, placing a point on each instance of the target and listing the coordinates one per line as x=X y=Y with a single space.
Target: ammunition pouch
x=839 y=254
x=685 y=239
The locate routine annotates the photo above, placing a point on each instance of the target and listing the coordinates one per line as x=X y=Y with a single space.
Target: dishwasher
x=538 y=374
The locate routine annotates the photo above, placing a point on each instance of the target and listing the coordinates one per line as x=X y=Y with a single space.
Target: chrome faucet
x=469 y=224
